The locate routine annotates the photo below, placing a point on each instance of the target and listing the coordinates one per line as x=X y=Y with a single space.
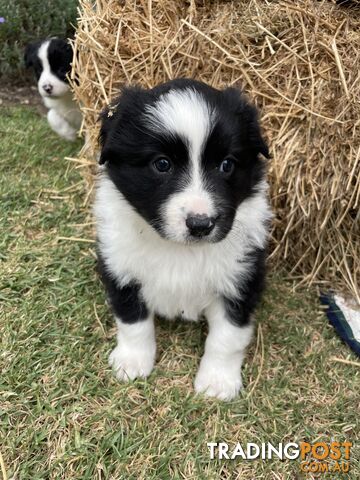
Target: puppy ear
x=30 y=54
x=116 y=117
x=106 y=118
x=64 y=48
x=248 y=121
x=257 y=142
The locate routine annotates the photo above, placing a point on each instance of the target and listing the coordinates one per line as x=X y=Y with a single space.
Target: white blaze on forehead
x=43 y=56
x=185 y=113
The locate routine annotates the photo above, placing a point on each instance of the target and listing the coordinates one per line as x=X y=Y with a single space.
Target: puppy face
x=184 y=155
x=51 y=61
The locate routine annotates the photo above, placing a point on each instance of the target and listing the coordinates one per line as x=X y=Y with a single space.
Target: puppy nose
x=200 y=225
x=48 y=88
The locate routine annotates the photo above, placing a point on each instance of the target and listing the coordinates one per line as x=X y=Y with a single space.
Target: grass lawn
x=62 y=413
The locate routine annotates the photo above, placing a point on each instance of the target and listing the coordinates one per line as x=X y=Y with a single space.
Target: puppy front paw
x=218 y=381
x=131 y=364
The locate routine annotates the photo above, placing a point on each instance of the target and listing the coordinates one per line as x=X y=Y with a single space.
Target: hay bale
x=297 y=60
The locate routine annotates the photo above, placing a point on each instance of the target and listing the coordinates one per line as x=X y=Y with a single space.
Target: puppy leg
x=219 y=374
x=230 y=332
x=134 y=355
x=61 y=126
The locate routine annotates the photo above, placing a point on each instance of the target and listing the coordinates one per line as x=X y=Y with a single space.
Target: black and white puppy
x=51 y=60
x=182 y=223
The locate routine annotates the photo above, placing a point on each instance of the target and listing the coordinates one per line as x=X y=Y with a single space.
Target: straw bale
x=297 y=60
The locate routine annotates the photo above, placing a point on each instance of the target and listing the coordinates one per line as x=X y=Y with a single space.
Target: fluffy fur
x=51 y=60
x=182 y=223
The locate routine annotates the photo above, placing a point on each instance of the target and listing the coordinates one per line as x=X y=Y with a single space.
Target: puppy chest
x=184 y=288
x=169 y=302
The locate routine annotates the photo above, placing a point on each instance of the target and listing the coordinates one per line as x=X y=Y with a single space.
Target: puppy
x=182 y=223
x=51 y=60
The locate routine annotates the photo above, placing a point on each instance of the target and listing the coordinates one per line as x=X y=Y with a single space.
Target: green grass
x=62 y=413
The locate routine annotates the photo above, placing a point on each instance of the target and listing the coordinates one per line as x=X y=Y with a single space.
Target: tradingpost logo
x=318 y=457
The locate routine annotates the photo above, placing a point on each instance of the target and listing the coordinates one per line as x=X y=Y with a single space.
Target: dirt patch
x=25 y=95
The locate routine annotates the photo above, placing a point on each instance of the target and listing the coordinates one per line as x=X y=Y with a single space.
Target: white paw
x=130 y=364
x=218 y=382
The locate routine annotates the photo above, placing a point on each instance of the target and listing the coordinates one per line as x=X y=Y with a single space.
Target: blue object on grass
x=344 y=319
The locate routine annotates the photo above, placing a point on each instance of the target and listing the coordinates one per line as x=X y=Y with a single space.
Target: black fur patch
x=60 y=55
x=126 y=302
x=31 y=58
x=239 y=310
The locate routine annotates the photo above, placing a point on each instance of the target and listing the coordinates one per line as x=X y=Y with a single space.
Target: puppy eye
x=162 y=165
x=227 y=166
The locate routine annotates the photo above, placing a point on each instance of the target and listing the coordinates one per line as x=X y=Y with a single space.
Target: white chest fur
x=176 y=279
x=66 y=107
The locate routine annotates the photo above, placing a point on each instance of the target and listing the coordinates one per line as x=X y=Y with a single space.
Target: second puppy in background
x=51 y=60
